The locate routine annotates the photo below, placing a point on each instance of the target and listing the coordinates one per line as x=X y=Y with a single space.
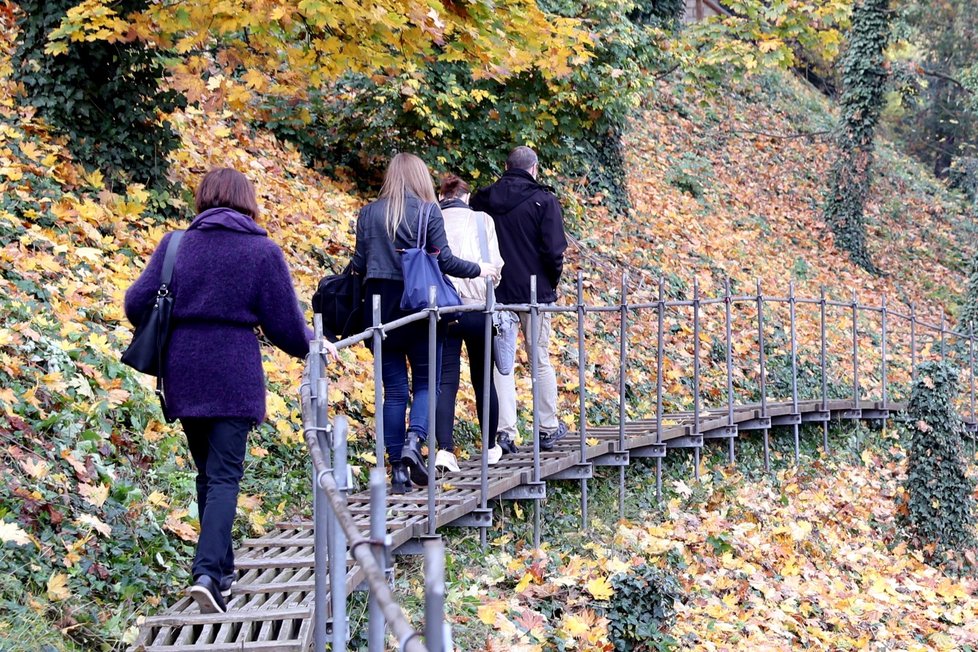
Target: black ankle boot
x=400 y=481
x=415 y=461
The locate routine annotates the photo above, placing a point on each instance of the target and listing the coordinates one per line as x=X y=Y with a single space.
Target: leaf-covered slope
x=802 y=561
x=730 y=185
x=97 y=509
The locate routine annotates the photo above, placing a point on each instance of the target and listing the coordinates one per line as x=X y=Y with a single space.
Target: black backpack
x=339 y=299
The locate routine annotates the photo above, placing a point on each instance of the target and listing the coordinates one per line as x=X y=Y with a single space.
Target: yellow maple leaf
x=58 y=587
x=524 y=582
x=574 y=625
x=600 y=588
x=94 y=494
x=13 y=533
x=489 y=612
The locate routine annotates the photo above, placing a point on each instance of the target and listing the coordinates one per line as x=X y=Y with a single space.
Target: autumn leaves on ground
x=96 y=516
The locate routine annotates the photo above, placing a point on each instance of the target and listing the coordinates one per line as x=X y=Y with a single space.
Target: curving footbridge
x=855 y=363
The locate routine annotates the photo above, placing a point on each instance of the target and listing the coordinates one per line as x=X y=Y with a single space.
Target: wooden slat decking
x=271 y=603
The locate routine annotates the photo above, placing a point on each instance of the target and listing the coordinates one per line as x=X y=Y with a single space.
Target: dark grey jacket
x=376 y=257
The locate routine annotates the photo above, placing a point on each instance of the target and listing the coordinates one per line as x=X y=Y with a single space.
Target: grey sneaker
x=549 y=439
x=504 y=442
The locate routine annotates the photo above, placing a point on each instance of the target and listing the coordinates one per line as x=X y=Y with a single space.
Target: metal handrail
x=329 y=475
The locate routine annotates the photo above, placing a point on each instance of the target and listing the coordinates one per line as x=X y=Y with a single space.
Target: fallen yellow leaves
x=175 y=523
x=13 y=533
x=758 y=572
x=599 y=588
x=57 y=586
x=94 y=494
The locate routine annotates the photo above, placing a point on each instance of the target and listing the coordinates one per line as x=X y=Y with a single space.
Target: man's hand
x=488 y=270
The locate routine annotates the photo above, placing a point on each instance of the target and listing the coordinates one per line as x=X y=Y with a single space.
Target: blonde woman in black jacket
x=384 y=228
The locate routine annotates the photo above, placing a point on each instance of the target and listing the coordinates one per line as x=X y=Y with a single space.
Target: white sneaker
x=494 y=455
x=446 y=460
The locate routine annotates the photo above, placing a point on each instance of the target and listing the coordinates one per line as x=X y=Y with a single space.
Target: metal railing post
x=794 y=364
x=763 y=379
x=581 y=393
x=913 y=342
x=377 y=341
x=434 y=595
x=823 y=363
x=730 y=390
x=319 y=507
x=487 y=361
x=535 y=391
x=696 y=375
x=432 y=435
x=337 y=539
x=660 y=352
x=622 y=380
x=855 y=352
x=378 y=534
x=883 y=351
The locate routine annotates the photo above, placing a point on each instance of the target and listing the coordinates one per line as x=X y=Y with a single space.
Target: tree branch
x=940 y=75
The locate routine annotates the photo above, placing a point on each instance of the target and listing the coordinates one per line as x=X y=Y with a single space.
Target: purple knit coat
x=228 y=279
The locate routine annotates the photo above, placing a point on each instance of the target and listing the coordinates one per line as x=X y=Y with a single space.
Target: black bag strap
x=170 y=258
x=166 y=275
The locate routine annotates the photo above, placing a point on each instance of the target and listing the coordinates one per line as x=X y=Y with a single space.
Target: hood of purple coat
x=228 y=219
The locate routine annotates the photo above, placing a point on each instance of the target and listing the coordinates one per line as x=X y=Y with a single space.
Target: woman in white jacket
x=462 y=226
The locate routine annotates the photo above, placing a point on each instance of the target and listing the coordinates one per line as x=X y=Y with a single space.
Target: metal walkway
x=270 y=607
x=273 y=605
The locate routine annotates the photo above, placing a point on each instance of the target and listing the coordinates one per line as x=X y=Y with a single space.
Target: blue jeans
x=218 y=449
x=397 y=353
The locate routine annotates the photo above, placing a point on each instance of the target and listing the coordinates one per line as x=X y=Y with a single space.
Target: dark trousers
x=470 y=329
x=218 y=449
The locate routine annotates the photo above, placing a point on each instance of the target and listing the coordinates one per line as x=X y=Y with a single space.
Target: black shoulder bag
x=339 y=299
x=148 y=346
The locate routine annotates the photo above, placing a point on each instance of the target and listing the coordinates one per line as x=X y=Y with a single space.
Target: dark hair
x=452 y=186
x=226 y=188
x=521 y=158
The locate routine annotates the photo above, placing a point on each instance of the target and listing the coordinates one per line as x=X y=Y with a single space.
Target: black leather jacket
x=376 y=257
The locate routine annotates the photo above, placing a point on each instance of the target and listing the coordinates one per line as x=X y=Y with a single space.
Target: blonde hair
x=405 y=173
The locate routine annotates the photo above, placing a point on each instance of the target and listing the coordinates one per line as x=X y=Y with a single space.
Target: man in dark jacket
x=530 y=229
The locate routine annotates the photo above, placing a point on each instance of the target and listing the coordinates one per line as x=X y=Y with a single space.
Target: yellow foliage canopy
x=285 y=47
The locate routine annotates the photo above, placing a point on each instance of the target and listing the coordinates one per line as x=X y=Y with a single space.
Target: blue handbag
x=421 y=271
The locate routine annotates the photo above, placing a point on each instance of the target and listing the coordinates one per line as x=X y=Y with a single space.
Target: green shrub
x=466 y=125
x=963 y=175
x=690 y=174
x=641 y=611
x=940 y=501
x=105 y=97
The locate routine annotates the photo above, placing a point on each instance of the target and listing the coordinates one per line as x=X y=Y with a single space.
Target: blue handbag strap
x=171 y=255
x=423 y=214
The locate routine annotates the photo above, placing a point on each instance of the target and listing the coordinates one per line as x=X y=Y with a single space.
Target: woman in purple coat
x=228 y=279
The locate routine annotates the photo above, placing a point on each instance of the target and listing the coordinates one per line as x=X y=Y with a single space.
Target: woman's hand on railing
x=330 y=350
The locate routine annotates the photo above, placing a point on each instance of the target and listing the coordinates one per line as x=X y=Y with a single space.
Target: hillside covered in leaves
x=97 y=516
